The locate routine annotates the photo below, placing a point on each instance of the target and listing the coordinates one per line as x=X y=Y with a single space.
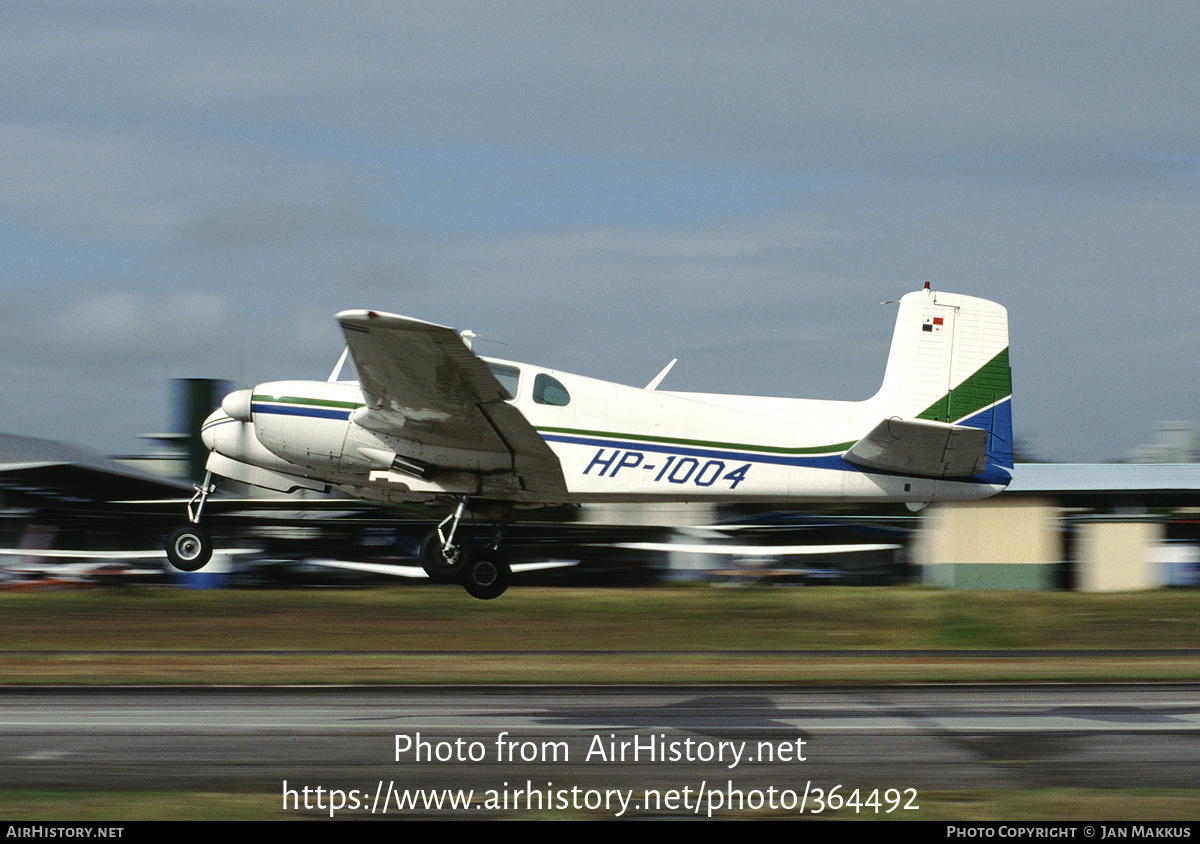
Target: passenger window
x=547 y=390
x=508 y=376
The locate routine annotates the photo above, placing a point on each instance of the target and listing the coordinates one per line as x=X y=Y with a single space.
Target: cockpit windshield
x=508 y=376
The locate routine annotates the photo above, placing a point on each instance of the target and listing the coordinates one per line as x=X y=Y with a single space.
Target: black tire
x=189 y=548
x=443 y=567
x=487 y=579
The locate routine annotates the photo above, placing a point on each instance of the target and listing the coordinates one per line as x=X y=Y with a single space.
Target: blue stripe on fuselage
x=300 y=410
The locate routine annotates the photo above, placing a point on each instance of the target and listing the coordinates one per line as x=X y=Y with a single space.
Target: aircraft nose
x=208 y=431
x=235 y=407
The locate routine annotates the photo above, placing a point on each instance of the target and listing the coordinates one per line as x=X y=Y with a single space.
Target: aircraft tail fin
x=949 y=363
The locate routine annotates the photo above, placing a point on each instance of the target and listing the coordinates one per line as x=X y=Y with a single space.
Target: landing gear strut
x=190 y=548
x=444 y=559
x=449 y=555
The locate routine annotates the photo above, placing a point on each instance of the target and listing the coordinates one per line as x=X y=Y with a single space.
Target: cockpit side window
x=549 y=390
x=508 y=376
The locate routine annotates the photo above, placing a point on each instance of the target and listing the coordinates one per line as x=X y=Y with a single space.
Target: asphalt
x=539 y=747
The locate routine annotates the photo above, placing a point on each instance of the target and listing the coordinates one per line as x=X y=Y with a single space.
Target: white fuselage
x=614 y=443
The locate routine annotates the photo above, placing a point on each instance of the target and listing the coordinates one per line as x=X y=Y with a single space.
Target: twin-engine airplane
x=432 y=420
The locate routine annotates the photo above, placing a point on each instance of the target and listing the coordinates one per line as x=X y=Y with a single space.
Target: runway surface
x=538 y=746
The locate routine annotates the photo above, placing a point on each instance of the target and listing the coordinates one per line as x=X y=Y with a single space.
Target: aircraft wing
x=418 y=573
x=55 y=553
x=921 y=447
x=423 y=385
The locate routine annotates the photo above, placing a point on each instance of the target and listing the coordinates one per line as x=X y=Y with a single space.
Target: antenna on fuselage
x=653 y=385
x=337 y=370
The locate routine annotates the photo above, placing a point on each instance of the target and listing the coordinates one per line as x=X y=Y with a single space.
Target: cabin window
x=508 y=376
x=549 y=390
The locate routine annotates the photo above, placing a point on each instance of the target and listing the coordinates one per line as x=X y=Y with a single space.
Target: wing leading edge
x=425 y=388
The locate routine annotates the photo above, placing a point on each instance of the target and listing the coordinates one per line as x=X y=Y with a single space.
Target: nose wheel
x=190 y=548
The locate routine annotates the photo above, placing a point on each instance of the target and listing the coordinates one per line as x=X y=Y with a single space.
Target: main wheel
x=487 y=579
x=447 y=565
x=189 y=548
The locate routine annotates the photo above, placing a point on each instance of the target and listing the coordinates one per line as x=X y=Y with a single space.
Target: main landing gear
x=449 y=555
x=190 y=548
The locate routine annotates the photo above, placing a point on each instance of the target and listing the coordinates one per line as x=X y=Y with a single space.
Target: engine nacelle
x=304 y=422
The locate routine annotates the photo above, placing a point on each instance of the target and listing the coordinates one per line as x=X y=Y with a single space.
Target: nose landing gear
x=190 y=548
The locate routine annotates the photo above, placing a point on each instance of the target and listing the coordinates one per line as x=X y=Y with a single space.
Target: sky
x=195 y=188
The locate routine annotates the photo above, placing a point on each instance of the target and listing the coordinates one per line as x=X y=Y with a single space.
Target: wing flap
x=922 y=447
x=423 y=385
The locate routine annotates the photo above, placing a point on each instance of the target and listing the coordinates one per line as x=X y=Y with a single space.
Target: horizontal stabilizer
x=921 y=447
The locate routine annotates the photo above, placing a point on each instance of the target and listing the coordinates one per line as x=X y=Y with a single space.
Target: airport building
x=1095 y=528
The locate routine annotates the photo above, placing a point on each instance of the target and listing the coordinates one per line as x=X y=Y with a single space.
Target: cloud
x=121 y=327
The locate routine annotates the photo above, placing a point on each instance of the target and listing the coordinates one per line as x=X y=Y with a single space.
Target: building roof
x=1092 y=484
x=60 y=471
